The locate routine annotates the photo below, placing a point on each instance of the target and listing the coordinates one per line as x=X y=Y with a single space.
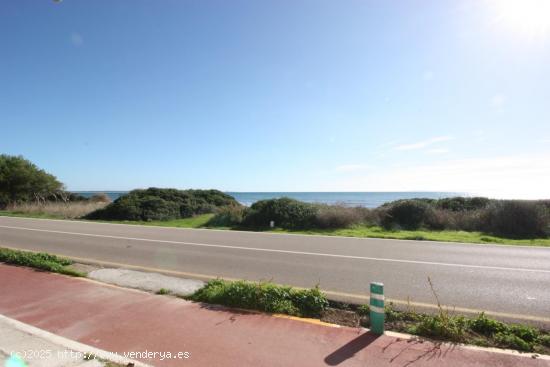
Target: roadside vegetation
x=26 y=190
x=443 y=325
x=263 y=296
x=55 y=210
x=163 y=204
x=473 y=220
x=481 y=330
x=41 y=261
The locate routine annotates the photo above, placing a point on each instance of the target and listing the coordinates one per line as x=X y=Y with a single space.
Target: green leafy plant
x=263 y=296
x=486 y=326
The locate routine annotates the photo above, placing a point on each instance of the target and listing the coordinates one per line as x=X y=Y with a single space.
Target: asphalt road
x=508 y=281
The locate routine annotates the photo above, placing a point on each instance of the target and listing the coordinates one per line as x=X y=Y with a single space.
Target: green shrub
x=513 y=341
x=506 y=218
x=406 y=214
x=429 y=202
x=155 y=208
x=266 y=297
x=488 y=327
x=228 y=216
x=363 y=310
x=526 y=333
x=459 y=204
x=163 y=204
x=392 y=314
x=439 y=219
x=442 y=327
x=516 y=219
x=309 y=302
x=337 y=216
x=285 y=212
x=544 y=340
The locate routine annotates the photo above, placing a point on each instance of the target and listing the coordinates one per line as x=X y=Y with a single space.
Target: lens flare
x=15 y=361
x=530 y=17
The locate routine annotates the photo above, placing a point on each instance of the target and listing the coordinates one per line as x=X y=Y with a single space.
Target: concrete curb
x=69 y=344
x=472 y=347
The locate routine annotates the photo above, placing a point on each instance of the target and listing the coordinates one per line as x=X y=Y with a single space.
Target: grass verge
x=199 y=221
x=57 y=210
x=422 y=235
x=480 y=331
x=8 y=213
x=443 y=326
x=263 y=296
x=41 y=261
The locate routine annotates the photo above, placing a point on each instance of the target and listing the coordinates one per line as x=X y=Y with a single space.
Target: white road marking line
x=284 y=251
x=417 y=242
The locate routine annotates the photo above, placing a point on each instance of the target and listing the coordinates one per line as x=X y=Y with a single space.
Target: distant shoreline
x=364 y=199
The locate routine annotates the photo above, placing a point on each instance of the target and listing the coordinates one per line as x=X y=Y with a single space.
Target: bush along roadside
x=41 y=261
x=263 y=296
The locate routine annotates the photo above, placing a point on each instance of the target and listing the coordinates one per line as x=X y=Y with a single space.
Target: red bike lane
x=167 y=331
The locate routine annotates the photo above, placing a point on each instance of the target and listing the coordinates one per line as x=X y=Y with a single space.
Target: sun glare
x=531 y=17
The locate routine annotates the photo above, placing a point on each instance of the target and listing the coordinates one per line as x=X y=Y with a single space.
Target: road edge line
x=286 y=234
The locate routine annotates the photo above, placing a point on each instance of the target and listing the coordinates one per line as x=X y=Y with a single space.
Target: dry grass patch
x=70 y=210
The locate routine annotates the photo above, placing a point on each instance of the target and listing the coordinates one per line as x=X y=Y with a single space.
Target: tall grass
x=70 y=210
x=340 y=216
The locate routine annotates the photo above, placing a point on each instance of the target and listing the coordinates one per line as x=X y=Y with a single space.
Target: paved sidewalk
x=123 y=320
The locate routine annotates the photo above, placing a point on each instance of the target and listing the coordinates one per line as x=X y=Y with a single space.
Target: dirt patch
x=83 y=268
x=340 y=317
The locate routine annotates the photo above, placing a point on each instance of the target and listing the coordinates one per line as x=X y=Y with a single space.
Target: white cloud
x=352 y=167
x=423 y=144
x=520 y=177
x=76 y=39
x=437 y=151
x=498 y=101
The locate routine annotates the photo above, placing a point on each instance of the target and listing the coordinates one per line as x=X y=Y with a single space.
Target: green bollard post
x=377 y=315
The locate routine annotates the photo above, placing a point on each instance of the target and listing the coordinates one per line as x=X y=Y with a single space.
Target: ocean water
x=365 y=199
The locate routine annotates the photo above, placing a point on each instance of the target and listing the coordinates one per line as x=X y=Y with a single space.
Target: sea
x=364 y=199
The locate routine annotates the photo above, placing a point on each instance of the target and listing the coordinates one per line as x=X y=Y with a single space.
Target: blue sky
x=280 y=95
